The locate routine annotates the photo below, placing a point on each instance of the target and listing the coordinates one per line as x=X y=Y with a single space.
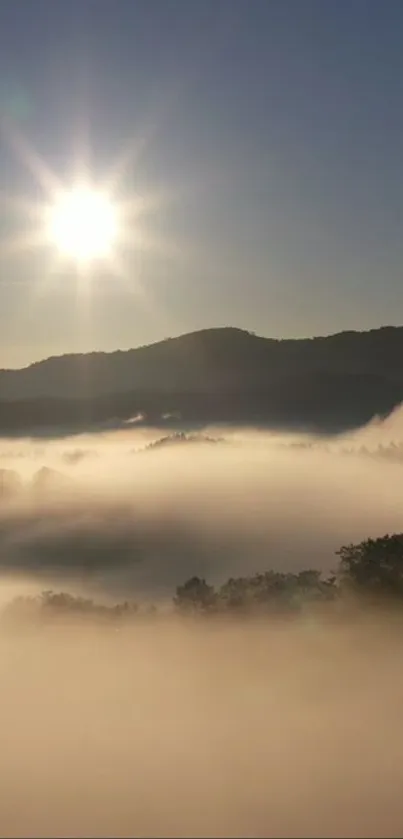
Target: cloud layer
x=110 y=513
x=176 y=728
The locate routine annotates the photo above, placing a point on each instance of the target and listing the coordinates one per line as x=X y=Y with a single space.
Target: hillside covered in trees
x=215 y=375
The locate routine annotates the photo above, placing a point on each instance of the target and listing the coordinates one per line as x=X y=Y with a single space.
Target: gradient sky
x=272 y=129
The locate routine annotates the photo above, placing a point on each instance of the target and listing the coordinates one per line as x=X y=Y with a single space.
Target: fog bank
x=111 y=514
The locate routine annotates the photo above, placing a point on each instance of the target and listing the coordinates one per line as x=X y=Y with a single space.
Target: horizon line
x=181 y=335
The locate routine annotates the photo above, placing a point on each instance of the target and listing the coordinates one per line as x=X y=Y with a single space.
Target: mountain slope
x=216 y=374
x=208 y=360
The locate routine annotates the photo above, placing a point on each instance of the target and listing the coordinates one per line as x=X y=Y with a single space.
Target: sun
x=90 y=227
x=83 y=224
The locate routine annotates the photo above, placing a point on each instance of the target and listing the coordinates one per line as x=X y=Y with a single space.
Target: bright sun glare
x=83 y=224
x=84 y=221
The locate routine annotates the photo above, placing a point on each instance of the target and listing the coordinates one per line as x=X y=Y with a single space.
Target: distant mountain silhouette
x=179 y=438
x=221 y=375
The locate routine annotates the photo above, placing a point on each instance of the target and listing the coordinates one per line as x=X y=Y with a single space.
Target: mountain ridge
x=214 y=329
x=220 y=374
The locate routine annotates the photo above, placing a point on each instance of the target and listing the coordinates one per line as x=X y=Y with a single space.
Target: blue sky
x=273 y=127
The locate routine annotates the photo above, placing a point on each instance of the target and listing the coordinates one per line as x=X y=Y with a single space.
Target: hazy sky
x=273 y=131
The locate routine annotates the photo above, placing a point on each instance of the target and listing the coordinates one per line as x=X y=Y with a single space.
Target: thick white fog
x=169 y=730
x=120 y=519
x=172 y=727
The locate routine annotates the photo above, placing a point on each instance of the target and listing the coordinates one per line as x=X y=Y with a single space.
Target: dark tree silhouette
x=371 y=569
x=270 y=592
x=49 y=605
x=195 y=596
x=374 y=566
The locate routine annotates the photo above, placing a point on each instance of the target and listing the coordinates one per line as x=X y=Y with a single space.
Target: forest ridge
x=223 y=374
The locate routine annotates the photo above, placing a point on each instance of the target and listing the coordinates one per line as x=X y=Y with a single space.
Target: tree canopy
x=372 y=568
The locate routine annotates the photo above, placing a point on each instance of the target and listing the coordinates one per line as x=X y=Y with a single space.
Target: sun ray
x=157 y=244
x=31 y=159
x=92 y=229
x=143 y=295
x=20 y=204
x=131 y=154
x=22 y=243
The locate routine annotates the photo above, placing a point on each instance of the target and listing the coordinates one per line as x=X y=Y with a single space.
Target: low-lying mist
x=167 y=729
x=183 y=726
x=140 y=511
